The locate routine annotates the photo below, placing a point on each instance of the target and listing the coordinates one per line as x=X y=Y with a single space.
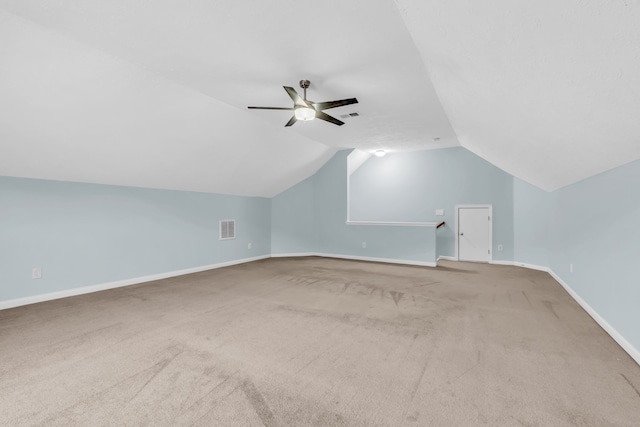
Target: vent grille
x=227 y=229
x=347 y=116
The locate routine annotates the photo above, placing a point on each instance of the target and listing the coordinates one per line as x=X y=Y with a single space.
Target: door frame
x=490 y=207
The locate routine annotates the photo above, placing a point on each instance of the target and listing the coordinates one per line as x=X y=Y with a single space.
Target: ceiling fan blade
x=319 y=106
x=296 y=98
x=291 y=121
x=270 y=108
x=324 y=116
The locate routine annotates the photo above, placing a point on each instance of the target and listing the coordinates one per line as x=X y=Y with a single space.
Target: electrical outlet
x=439 y=212
x=36 y=273
x=249 y=245
x=364 y=245
x=500 y=248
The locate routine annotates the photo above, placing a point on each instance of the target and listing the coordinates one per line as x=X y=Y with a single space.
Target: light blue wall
x=319 y=205
x=86 y=234
x=532 y=222
x=334 y=236
x=593 y=225
x=292 y=220
x=411 y=186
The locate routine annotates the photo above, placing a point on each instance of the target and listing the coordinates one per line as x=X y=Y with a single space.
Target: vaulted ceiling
x=154 y=94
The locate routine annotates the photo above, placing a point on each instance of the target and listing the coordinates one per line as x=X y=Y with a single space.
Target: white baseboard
x=357 y=258
x=531 y=266
x=501 y=262
x=626 y=345
x=373 y=259
x=496 y=261
x=17 y=302
x=118 y=283
x=33 y=299
x=293 y=254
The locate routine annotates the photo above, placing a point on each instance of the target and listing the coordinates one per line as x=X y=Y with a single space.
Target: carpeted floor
x=313 y=341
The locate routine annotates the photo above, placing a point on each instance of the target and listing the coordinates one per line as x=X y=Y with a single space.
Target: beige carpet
x=312 y=341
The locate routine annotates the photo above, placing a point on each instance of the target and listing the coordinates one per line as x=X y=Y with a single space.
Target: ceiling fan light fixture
x=305 y=113
x=380 y=153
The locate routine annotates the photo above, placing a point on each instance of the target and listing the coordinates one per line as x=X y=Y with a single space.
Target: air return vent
x=227 y=229
x=348 y=116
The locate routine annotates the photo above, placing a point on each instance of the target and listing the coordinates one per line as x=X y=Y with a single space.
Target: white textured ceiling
x=154 y=94
x=547 y=90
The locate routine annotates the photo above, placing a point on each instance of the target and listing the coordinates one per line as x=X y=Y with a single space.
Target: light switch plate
x=439 y=212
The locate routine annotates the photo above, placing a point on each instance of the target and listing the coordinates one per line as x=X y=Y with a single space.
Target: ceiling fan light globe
x=305 y=113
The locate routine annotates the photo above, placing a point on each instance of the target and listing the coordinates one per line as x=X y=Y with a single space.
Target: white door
x=474 y=234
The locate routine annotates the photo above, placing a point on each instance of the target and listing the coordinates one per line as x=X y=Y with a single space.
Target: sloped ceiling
x=547 y=90
x=154 y=94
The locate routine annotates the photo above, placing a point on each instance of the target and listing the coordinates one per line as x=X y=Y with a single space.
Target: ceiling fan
x=305 y=110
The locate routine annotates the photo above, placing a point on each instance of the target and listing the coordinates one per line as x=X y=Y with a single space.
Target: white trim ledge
x=447 y=258
x=17 y=302
x=395 y=224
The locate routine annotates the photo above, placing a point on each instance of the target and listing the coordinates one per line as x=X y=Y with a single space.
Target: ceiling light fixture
x=380 y=153
x=305 y=113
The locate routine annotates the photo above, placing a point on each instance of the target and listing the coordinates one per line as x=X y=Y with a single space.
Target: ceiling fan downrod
x=304 y=84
